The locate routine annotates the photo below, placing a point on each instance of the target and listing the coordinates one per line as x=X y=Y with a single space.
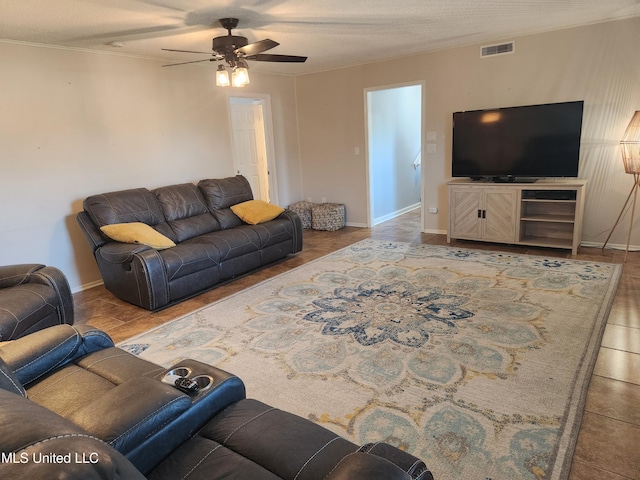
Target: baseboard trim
x=86 y=286
x=353 y=224
x=395 y=214
x=612 y=246
x=437 y=232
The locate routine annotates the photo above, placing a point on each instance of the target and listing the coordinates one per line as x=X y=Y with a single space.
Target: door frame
x=264 y=100
x=369 y=169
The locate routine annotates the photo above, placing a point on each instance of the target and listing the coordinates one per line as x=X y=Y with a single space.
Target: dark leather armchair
x=32 y=297
x=68 y=395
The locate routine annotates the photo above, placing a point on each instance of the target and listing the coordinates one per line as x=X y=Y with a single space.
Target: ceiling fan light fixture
x=222 y=77
x=240 y=74
x=234 y=51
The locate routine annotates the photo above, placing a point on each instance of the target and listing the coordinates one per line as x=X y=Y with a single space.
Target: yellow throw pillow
x=256 y=211
x=137 y=232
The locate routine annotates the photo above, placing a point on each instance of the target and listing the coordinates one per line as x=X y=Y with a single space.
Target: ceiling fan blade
x=194 y=61
x=257 y=47
x=266 y=57
x=184 y=51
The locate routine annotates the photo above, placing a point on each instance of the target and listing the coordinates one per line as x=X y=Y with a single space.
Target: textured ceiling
x=332 y=33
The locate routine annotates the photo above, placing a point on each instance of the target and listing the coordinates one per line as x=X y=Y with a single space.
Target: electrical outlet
x=433 y=209
x=309 y=199
x=324 y=199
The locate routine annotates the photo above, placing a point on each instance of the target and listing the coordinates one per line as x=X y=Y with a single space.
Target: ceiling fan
x=235 y=50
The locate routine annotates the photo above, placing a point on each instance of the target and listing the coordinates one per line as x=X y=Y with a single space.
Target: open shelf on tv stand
x=547 y=213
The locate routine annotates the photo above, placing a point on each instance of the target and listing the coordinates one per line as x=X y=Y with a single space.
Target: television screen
x=530 y=141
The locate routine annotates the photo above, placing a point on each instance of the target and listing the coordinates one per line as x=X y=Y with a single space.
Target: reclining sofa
x=32 y=297
x=74 y=406
x=212 y=244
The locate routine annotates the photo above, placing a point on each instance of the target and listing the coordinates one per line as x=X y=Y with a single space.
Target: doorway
x=394 y=150
x=252 y=140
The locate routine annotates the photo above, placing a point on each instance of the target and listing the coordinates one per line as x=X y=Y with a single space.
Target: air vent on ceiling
x=500 y=49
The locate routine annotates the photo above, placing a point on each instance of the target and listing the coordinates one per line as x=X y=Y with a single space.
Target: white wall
x=394 y=140
x=599 y=64
x=74 y=123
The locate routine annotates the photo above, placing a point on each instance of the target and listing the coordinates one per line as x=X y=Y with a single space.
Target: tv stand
x=545 y=214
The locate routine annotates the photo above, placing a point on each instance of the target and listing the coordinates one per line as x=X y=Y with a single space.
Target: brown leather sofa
x=32 y=297
x=74 y=406
x=212 y=244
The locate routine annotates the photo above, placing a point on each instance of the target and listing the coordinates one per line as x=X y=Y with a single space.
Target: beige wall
x=75 y=123
x=599 y=64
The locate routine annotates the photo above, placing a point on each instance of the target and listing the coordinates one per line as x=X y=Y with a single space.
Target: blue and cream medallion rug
x=477 y=362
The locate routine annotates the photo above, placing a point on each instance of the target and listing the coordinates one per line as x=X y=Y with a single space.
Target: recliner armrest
x=54 y=278
x=365 y=465
x=118 y=252
x=415 y=467
x=225 y=390
x=12 y=275
x=34 y=355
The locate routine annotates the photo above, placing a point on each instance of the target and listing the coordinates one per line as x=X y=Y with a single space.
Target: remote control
x=186 y=385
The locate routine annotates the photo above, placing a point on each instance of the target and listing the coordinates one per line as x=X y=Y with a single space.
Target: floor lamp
x=630 y=147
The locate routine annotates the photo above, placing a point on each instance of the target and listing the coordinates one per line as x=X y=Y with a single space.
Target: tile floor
x=608 y=446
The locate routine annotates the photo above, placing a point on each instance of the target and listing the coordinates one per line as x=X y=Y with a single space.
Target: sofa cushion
x=276 y=231
x=87 y=379
x=137 y=232
x=135 y=205
x=32 y=432
x=190 y=257
x=259 y=441
x=230 y=243
x=185 y=211
x=221 y=194
x=254 y=212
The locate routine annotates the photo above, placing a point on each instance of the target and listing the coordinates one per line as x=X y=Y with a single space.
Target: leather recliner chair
x=74 y=406
x=32 y=297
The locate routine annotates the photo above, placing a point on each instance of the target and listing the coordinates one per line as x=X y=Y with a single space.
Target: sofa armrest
x=118 y=252
x=297 y=229
x=364 y=465
x=415 y=467
x=55 y=279
x=34 y=355
x=225 y=390
x=13 y=275
x=134 y=273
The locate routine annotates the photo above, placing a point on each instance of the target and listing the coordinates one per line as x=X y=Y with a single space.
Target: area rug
x=477 y=362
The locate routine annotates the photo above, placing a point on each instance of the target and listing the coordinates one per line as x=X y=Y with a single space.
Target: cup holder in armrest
x=174 y=374
x=204 y=382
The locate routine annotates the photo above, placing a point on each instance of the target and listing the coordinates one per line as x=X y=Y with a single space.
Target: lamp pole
x=634 y=192
x=630 y=147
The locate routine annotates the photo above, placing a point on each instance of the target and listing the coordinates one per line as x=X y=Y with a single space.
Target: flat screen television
x=518 y=143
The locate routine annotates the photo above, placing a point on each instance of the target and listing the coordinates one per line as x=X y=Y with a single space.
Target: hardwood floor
x=608 y=446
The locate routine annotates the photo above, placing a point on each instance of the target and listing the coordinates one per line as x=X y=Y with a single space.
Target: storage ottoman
x=303 y=209
x=328 y=216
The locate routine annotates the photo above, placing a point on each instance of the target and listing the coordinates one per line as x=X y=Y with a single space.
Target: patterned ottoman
x=303 y=209
x=328 y=216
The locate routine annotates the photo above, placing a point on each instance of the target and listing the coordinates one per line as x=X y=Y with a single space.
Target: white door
x=249 y=147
